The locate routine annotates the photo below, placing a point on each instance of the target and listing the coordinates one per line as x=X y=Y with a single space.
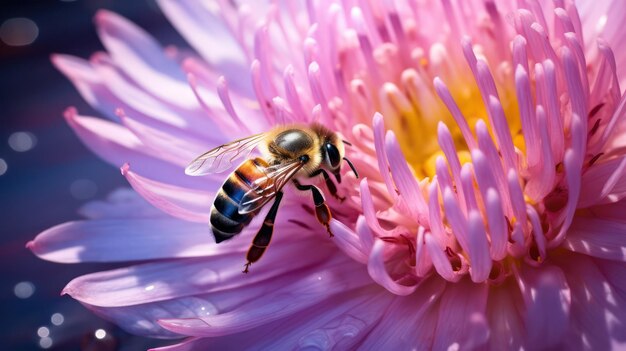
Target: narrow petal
x=497 y=225
x=117 y=145
x=404 y=179
x=188 y=204
x=161 y=281
x=440 y=260
x=124 y=240
x=121 y=203
x=348 y=241
x=381 y=155
x=143 y=59
x=378 y=272
x=205 y=30
x=480 y=259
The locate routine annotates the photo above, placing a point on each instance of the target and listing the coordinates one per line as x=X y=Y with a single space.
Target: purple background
x=35 y=190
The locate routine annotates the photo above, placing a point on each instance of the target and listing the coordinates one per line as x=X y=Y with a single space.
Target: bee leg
x=322 y=212
x=329 y=184
x=264 y=235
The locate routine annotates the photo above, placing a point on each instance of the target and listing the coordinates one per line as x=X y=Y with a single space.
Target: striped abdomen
x=226 y=221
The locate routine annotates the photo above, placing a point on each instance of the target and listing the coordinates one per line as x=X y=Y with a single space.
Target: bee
x=290 y=153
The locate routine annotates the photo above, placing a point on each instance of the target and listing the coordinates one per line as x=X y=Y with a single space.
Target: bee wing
x=224 y=156
x=265 y=188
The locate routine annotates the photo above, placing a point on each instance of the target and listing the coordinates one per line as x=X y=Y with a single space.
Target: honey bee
x=290 y=153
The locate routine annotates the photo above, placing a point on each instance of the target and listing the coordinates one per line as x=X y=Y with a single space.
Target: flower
x=490 y=139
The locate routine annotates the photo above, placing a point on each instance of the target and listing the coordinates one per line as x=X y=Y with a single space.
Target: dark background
x=35 y=190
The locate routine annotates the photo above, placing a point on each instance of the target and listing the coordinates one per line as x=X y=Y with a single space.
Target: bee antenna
x=347 y=142
x=352 y=166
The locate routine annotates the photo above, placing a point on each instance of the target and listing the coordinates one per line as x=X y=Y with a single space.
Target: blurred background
x=46 y=174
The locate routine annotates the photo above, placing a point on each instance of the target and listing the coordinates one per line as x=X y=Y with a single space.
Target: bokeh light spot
x=45 y=343
x=18 y=31
x=57 y=319
x=100 y=334
x=3 y=166
x=43 y=332
x=22 y=141
x=24 y=290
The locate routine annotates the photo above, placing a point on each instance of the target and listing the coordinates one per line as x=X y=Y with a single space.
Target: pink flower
x=490 y=139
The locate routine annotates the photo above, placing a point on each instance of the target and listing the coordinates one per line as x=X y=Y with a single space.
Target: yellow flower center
x=416 y=127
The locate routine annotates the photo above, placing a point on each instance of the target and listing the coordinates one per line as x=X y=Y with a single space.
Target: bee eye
x=333 y=155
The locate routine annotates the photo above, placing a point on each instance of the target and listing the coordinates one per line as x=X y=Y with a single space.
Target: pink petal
x=517 y=197
x=572 y=176
x=434 y=211
x=423 y=262
x=604 y=183
x=507 y=326
x=478 y=252
x=538 y=235
x=378 y=271
x=449 y=149
x=614 y=211
x=205 y=30
x=527 y=116
x=604 y=19
x=121 y=203
x=502 y=132
x=597 y=237
x=543 y=180
x=597 y=319
x=176 y=150
x=491 y=174
x=553 y=113
x=346 y=319
x=456 y=219
x=399 y=330
x=144 y=319
x=498 y=231
x=440 y=261
x=143 y=59
x=470 y=331
x=116 y=145
x=575 y=89
x=365 y=234
x=469 y=190
x=295 y=297
x=88 y=83
x=547 y=297
x=161 y=281
x=107 y=89
x=341 y=322
x=404 y=179
x=348 y=241
x=381 y=155
x=188 y=204
x=369 y=212
x=446 y=97
x=123 y=240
